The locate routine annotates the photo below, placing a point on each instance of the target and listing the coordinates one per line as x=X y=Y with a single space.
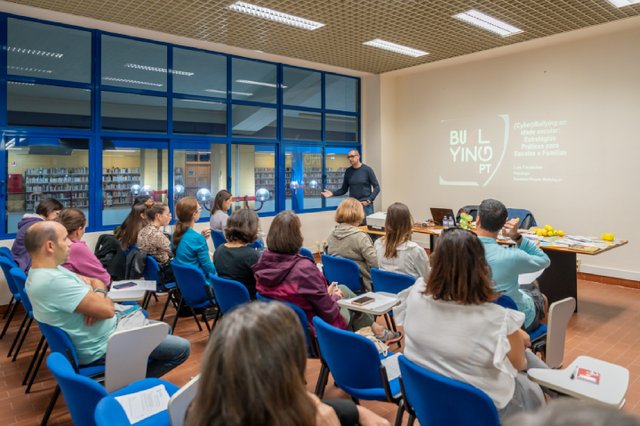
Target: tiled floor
x=605 y=327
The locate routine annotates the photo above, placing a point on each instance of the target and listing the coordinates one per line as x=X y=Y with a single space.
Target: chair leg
x=146 y=300
x=412 y=419
x=175 y=320
x=206 y=322
x=166 y=305
x=9 y=306
x=18 y=335
x=24 y=336
x=195 y=317
x=323 y=378
x=400 y=413
x=52 y=404
x=34 y=358
x=8 y=321
x=35 y=371
x=386 y=320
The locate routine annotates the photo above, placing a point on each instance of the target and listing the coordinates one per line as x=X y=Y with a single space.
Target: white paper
x=146 y=285
x=141 y=405
x=381 y=303
x=391 y=365
x=530 y=277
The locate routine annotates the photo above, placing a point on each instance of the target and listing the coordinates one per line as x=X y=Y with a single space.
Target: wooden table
x=558 y=281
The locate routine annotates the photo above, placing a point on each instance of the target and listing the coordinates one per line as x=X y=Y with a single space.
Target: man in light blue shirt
x=79 y=305
x=507 y=263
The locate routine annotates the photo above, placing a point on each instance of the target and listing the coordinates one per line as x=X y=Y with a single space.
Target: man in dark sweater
x=360 y=181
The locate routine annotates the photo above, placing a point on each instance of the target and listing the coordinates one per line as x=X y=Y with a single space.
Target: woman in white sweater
x=395 y=251
x=453 y=328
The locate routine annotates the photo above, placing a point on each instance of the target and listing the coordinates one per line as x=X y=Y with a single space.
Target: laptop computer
x=439 y=213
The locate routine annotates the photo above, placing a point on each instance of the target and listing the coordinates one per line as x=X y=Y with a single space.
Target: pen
x=573 y=375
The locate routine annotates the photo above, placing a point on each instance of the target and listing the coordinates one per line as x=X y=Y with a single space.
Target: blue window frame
x=100 y=95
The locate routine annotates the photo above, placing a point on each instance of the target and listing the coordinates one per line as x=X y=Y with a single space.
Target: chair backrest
x=438 y=400
x=191 y=282
x=60 y=342
x=390 y=282
x=6 y=266
x=306 y=252
x=218 y=237
x=6 y=252
x=128 y=354
x=560 y=313
x=353 y=359
x=343 y=271
x=526 y=217
x=257 y=244
x=506 y=302
x=180 y=401
x=20 y=279
x=229 y=293
x=80 y=393
x=152 y=270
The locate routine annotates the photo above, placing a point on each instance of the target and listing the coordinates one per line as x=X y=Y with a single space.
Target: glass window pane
x=195 y=170
x=135 y=64
x=302 y=125
x=42 y=167
x=254 y=122
x=341 y=93
x=302 y=88
x=48 y=51
x=336 y=162
x=136 y=113
x=42 y=105
x=193 y=116
x=200 y=73
x=303 y=178
x=127 y=172
x=341 y=128
x=253 y=173
x=254 y=81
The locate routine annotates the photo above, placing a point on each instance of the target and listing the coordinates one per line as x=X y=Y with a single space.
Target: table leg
x=560 y=280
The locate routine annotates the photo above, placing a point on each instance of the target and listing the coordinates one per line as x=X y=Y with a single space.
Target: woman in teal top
x=190 y=246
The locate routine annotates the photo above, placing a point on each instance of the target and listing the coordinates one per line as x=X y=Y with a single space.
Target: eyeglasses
x=352 y=156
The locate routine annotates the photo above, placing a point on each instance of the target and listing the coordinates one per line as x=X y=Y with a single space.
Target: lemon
x=548 y=227
x=607 y=237
x=560 y=232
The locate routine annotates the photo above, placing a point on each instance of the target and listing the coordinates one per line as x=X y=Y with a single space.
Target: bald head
x=47 y=240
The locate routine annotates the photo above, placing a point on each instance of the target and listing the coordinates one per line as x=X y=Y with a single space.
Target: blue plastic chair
x=354 y=363
x=20 y=279
x=312 y=342
x=526 y=217
x=538 y=336
x=438 y=400
x=390 y=282
x=83 y=395
x=229 y=293
x=218 y=237
x=343 y=271
x=6 y=264
x=306 y=252
x=152 y=272
x=195 y=292
x=6 y=252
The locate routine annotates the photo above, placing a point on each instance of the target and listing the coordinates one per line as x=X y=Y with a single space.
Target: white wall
x=589 y=81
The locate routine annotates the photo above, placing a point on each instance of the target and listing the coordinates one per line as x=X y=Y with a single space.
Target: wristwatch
x=99 y=290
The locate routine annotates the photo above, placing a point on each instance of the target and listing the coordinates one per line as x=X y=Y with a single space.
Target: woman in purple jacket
x=283 y=274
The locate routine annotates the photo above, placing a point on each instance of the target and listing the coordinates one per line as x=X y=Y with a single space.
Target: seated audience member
x=128 y=232
x=574 y=412
x=81 y=259
x=62 y=299
x=349 y=242
x=257 y=356
x=396 y=252
x=469 y=338
x=221 y=205
x=154 y=242
x=508 y=263
x=283 y=274
x=48 y=209
x=191 y=246
x=234 y=259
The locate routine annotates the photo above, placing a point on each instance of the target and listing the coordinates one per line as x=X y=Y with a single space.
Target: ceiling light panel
x=274 y=15
x=486 y=22
x=396 y=48
x=623 y=3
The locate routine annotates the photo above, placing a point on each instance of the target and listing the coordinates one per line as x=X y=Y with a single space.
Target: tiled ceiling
x=421 y=24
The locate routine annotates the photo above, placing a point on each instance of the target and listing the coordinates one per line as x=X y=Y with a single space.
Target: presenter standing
x=360 y=181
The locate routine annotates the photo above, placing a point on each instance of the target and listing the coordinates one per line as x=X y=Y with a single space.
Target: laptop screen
x=439 y=213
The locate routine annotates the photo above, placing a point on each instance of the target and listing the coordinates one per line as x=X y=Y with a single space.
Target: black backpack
x=109 y=253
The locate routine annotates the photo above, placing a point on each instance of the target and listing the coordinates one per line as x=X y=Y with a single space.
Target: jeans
x=368 y=210
x=169 y=354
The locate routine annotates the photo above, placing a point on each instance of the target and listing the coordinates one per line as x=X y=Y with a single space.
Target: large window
x=254 y=81
x=341 y=93
x=254 y=122
x=134 y=64
x=134 y=113
x=302 y=88
x=303 y=178
x=336 y=163
x=40 y=168
x=199 y=73
x=253 y=175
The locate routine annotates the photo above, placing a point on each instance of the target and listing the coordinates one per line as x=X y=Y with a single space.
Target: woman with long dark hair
x=221 y=205
x=395 y=251
x=191 y=246
x=467 y=337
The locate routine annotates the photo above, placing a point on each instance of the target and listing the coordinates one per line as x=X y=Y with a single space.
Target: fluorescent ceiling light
x=126 y=80
x=623 y=3
x=35 y=52
x=158 y=69
x=20 y=83
x=274 y=15
x=225 y=93
x=397 y=48
x=487 y=22
x=259 y=83
x=29 y=69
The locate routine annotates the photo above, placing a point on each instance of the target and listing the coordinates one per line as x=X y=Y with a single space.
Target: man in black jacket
x=360 y=181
